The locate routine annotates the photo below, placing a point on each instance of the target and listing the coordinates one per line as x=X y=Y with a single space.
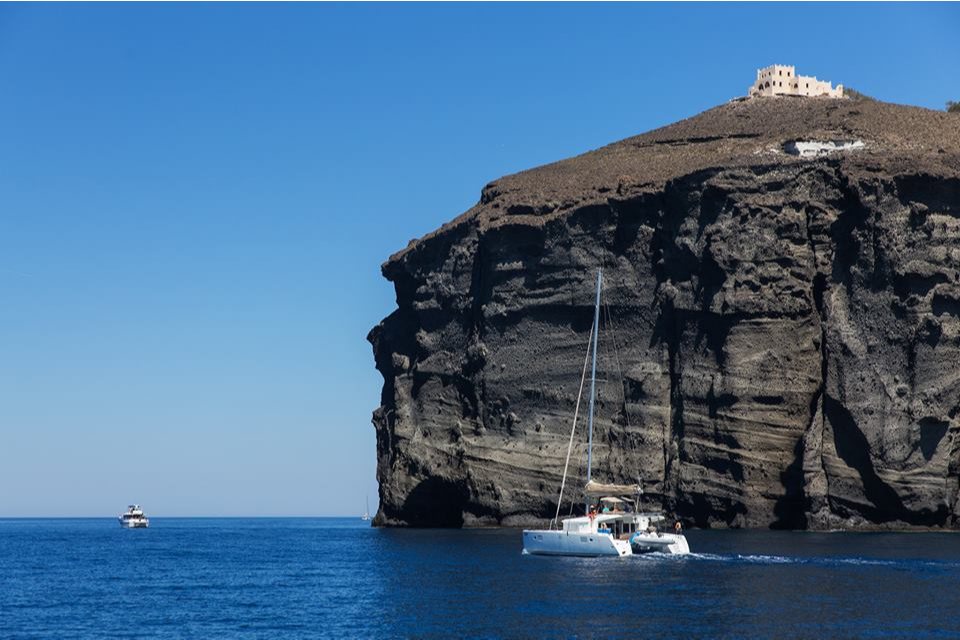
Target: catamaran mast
x=593 y=380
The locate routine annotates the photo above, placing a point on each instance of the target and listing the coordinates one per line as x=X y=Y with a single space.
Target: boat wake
x=828 y=561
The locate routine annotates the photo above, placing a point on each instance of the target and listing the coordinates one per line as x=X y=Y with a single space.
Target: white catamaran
x=612 y=526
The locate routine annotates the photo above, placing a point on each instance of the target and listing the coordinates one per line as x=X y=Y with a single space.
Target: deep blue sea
x=326 y=577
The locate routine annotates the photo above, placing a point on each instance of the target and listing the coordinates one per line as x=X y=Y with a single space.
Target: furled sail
x=598 y=490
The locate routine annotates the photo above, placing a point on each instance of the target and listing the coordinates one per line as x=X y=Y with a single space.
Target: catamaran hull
x=562 y=543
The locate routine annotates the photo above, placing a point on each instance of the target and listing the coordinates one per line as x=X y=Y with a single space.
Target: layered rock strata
x=783 y=327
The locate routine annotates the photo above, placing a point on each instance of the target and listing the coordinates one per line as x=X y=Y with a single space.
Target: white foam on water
x=763 y=559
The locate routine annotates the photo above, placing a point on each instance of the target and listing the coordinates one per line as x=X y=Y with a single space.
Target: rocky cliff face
x=787 y=319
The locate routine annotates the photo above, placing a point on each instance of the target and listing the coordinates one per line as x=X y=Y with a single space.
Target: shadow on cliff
x=790 y=508
x=435 y=502
x=854 y=449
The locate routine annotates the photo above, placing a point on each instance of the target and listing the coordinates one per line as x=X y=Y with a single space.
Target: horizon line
x=112 y=517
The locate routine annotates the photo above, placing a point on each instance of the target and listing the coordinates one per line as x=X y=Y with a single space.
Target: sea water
x=304 y=578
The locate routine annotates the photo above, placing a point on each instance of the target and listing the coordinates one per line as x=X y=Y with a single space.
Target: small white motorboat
x=653 y=541
x=134 y=518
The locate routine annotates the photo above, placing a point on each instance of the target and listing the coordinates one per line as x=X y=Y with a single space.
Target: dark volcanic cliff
x=788 y=327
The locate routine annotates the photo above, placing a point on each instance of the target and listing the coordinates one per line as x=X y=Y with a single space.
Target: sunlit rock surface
x=787 y=328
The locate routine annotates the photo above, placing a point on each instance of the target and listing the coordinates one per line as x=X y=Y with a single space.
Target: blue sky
x=197 y=200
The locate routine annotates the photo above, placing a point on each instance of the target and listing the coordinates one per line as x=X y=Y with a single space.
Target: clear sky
x=196 y=200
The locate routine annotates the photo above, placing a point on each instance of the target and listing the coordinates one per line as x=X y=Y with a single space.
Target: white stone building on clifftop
x=782 y=80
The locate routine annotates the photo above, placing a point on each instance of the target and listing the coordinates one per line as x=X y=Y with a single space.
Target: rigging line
x=573 y=429
x=616 y=354
x=623 y=392
x=607 y=320
x=607 y=369
x=579 y=475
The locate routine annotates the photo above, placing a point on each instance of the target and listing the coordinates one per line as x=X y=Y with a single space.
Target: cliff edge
x=783 y=276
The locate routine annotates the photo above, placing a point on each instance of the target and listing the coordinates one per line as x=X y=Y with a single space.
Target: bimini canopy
x=597 y=490
x=612 y=500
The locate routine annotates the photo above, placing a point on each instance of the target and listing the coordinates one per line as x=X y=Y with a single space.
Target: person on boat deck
x=678 y=527
x=606 y=509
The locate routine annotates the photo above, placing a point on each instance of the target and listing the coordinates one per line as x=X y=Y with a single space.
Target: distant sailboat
x=366 y=512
